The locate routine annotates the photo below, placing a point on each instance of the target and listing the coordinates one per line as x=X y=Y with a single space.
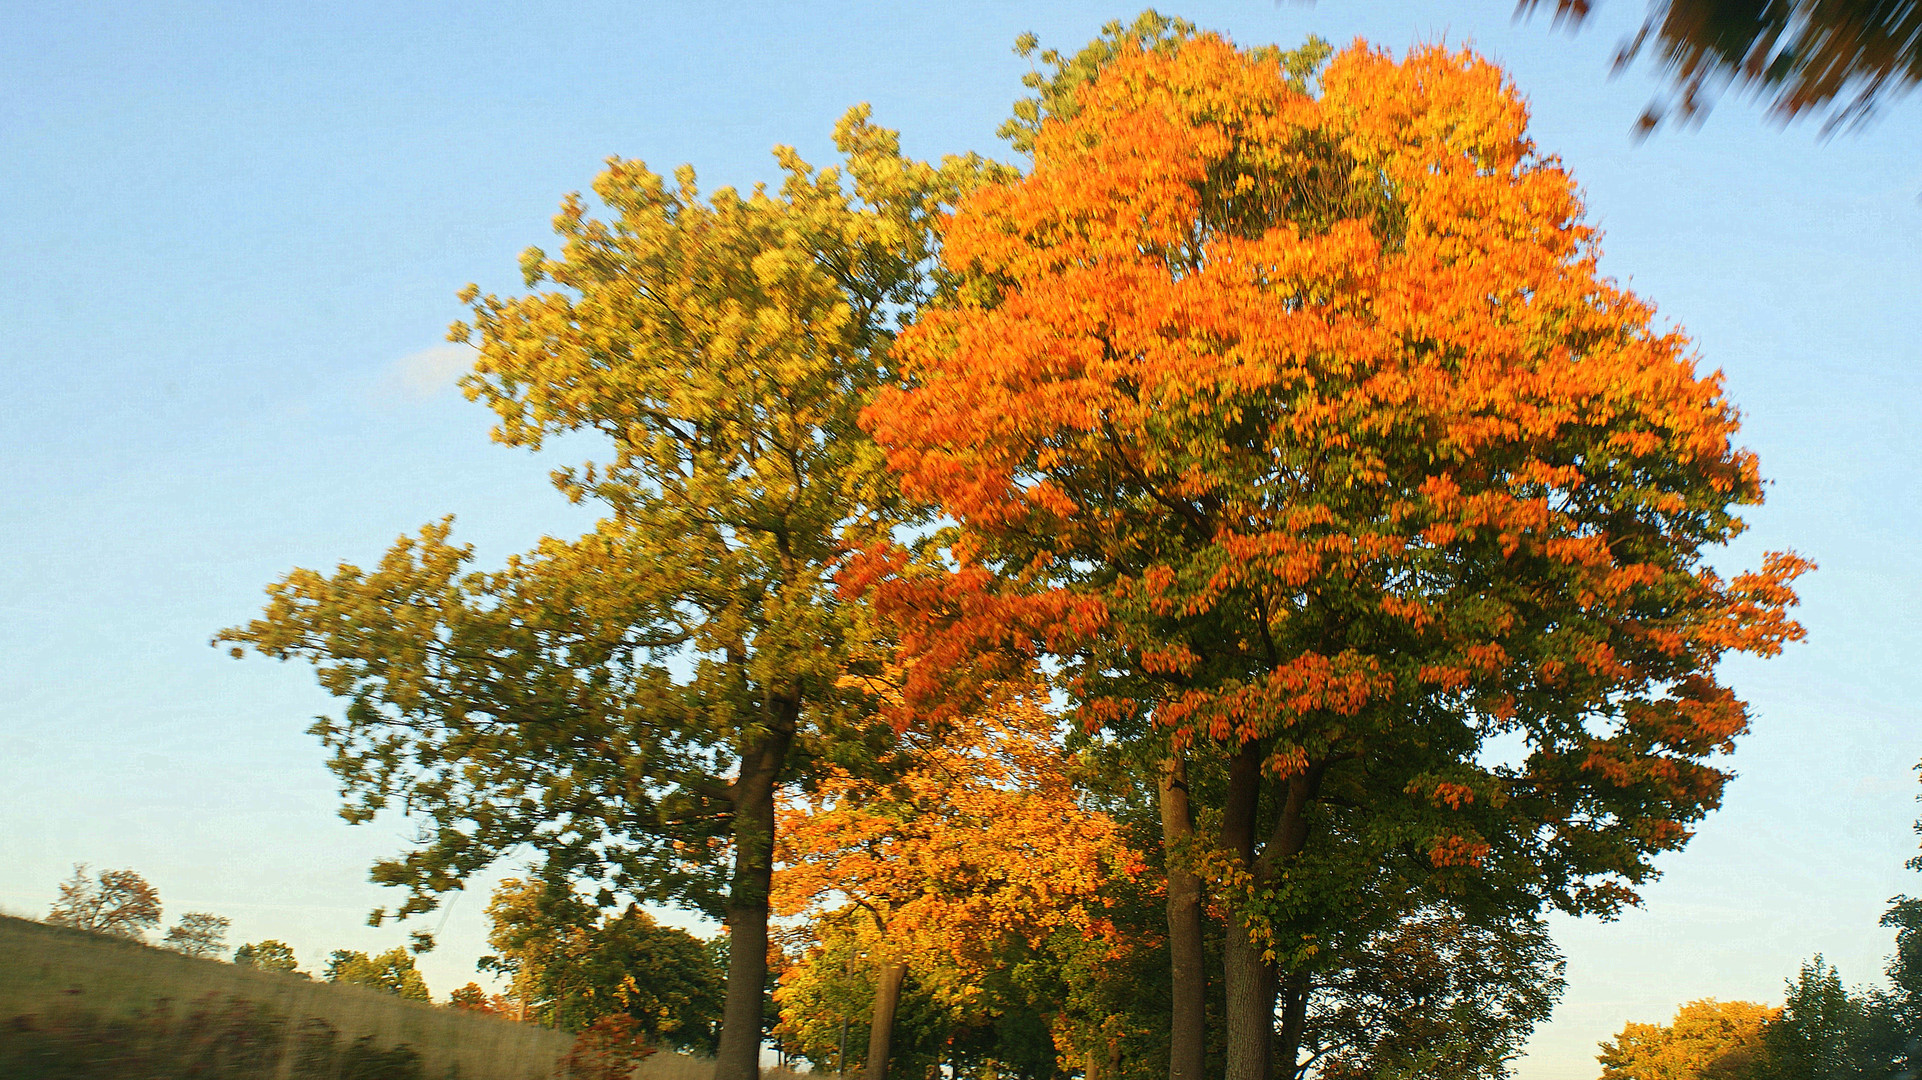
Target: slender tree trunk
x=1188 y=1025
x=1248 y=978
x=1289 y=839
x=1295 y=990
x=739 y=1054
x=887 y=998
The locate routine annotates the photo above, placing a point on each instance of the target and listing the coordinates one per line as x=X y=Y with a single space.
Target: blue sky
x=234 y=233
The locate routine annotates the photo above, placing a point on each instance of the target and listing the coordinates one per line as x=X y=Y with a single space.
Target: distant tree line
x=1823 y=1030
x=122 y=904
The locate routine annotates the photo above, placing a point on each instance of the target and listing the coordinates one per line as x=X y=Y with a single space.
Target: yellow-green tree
x=1707 y=1040
x=628 y=703
x=269 y=955
x=391 y=972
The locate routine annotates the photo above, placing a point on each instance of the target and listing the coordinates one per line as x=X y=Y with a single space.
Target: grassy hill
x=75 y=1005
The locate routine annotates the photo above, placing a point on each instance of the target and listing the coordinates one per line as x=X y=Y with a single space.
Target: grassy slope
x=47 y=969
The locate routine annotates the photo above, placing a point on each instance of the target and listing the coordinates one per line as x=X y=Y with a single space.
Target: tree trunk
x=1249 y=978
x=1294 y=1024
x=887 y=998
x=1251 y=1005
x=739 y=1055
x=1253 y=980
x=1187 y=1026
x=1289 y=839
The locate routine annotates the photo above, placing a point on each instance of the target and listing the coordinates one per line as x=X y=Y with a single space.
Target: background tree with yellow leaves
x=1707 y=1040
x=979 y=842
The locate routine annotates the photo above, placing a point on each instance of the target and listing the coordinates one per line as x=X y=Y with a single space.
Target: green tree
x=572 y=966
x=628 y=703
x=269 y=955
x=1821 y=1033
x=199 y=934
x=1895 y=1014
x=1895 y=1025
x=530 y=922
x=662 y=976
x=828 y=999
x=117 y=902
x=1434 y=994
x=391 y=972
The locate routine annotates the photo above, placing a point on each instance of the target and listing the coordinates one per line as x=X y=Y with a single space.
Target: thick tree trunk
x=1187 y=1026
x=739 y=1054
x=887 y=999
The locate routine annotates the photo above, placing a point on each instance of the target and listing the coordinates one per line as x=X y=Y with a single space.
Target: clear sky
x=233 y=234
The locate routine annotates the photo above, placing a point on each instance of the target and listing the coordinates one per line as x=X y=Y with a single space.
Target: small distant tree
x=200 y=934
x=572 y=964
x=474 y=998
x=391 y=972
x=609 y=1049
x=118 y=902
x=269 y=955
x=1707 y=1040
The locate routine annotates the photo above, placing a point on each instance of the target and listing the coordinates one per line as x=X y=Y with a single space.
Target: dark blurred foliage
x=1839 y=57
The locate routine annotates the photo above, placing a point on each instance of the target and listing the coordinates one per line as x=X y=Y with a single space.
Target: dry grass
x=666 y=1066
x=48 y=971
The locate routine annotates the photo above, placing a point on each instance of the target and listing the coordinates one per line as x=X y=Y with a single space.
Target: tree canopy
x=269 y=955
x=199 y=933
x=1304 y=432
x=1707 y=1040
x=390 y=972
x=570 y=966
x=978 y=844
x=117 y=902
x=626 y=704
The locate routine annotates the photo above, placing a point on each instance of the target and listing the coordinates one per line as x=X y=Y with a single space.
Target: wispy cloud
x=423 y=374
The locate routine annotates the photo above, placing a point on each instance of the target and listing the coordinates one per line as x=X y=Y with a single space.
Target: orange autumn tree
x=1707 y=1040
x=980 y=840
x=1305 y=435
